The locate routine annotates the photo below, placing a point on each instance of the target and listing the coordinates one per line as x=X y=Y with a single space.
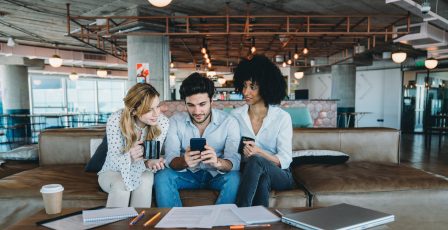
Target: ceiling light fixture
x=55 y=61
x=431 y=63
x=73 y=76
x=172 y=65
x=298 y=75
x=399 y=57
x=101 y=73
x=222 y=81
x=11 y=42
x=209 y=65
x=159 y=3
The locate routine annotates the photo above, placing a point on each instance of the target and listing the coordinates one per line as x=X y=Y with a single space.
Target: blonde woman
x=125 y=175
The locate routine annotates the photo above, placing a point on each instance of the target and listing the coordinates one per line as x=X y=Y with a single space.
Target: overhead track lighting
x=159 y=3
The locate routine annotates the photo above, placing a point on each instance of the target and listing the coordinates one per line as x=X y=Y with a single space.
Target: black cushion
x=96 y=162
x=318 y=157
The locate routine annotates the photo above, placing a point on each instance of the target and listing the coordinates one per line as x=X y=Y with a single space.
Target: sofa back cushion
x=67 y=146
x=361 y=144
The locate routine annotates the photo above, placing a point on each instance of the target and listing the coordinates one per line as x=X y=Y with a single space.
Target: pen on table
x=235 y=227
x=152 y=219
x=137 y=218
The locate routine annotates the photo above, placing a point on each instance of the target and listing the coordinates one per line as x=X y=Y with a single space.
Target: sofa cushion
x=359 y=177
x=78 y=185
x=314 y=156
x=99 y=157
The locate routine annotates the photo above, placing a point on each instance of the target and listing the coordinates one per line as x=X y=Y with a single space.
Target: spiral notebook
x=89 y=216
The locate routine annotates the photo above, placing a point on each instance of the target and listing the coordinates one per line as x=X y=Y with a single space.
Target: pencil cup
x=52 y=195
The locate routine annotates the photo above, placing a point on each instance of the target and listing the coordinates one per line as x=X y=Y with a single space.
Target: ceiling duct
x=94 y=57
x=416 y=9
x=422 y=36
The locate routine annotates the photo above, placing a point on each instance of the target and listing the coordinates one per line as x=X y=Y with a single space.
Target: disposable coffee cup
x=52 y=195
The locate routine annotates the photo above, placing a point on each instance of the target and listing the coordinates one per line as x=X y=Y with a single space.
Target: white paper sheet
x=213 y=215
x=75 y=223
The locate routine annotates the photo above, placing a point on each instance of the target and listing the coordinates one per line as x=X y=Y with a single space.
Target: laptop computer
x=341 y=216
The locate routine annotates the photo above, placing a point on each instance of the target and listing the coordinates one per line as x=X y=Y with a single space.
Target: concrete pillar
x=343 y=86
x=153 y=50
x=15 y=97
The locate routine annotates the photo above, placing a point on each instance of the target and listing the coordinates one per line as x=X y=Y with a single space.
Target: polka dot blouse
x=119 y=161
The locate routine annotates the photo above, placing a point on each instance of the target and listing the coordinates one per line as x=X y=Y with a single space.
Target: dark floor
x=413 y=153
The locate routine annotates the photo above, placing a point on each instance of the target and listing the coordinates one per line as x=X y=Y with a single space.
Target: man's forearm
x=224 y=165
x=178 y=163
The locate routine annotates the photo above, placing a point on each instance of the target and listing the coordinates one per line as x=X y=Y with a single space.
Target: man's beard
x=200 y=122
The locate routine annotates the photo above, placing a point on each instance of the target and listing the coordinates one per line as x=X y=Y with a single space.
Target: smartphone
x=241 y=146
x=197 y=144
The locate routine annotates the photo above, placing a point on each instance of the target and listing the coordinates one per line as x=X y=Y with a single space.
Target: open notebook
x=108 y=214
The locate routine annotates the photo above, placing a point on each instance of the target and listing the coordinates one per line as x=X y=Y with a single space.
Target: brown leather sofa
x=372 y=178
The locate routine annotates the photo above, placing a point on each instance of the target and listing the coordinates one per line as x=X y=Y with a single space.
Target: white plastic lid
x=51 y=188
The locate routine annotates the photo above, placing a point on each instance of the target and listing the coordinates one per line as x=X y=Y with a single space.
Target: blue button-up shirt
x=222 y=133
x=275 y=134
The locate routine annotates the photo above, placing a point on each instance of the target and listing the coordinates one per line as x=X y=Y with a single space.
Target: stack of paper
x=215 y=215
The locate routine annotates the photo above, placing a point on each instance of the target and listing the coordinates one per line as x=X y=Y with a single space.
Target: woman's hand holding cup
x=136 y=151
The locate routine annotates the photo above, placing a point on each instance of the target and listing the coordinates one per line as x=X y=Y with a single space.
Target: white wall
x=319 y=85
x=378 y=91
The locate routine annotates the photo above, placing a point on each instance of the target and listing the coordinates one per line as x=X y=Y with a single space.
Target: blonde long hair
x=137 y=102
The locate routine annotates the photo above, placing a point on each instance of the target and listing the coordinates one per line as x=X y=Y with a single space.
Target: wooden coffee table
x=30 y=222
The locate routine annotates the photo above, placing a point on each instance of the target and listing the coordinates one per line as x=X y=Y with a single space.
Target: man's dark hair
x=261 y=71
x=196 y=83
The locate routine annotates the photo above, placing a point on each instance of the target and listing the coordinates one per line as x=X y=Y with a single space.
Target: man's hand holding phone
x=209 y=156
x=192 y=158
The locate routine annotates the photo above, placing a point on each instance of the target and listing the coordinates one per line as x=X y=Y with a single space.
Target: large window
x=47 y=93
x=57 y=94
x=110 y=96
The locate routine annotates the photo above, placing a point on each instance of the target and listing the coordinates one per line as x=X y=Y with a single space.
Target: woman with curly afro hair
x=266 y=158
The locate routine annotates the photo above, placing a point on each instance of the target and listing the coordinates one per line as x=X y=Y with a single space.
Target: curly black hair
x=261 y=71
x=196 y=83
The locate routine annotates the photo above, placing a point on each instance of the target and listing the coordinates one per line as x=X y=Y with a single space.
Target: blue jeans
x=259 y=177
x=168 y=182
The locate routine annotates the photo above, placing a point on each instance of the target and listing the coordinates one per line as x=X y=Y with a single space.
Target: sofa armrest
x=67 y=146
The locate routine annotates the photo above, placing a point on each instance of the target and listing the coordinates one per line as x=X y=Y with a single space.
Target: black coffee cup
x=151 y=149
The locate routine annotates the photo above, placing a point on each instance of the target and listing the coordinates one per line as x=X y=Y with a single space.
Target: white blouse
x=275 y=134
x=117 y=160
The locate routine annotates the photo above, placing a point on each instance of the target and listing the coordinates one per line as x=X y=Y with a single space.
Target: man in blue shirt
x=217 y=167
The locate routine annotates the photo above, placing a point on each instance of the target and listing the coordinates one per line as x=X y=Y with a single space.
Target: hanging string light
x=284 y=61
x=289 y=62
x=296 y=53
x=305 y=47
x=253 y=49
x=204 y=46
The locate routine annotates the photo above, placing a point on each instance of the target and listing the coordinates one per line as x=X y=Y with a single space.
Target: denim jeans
x=168 y=182
x=259 y=177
